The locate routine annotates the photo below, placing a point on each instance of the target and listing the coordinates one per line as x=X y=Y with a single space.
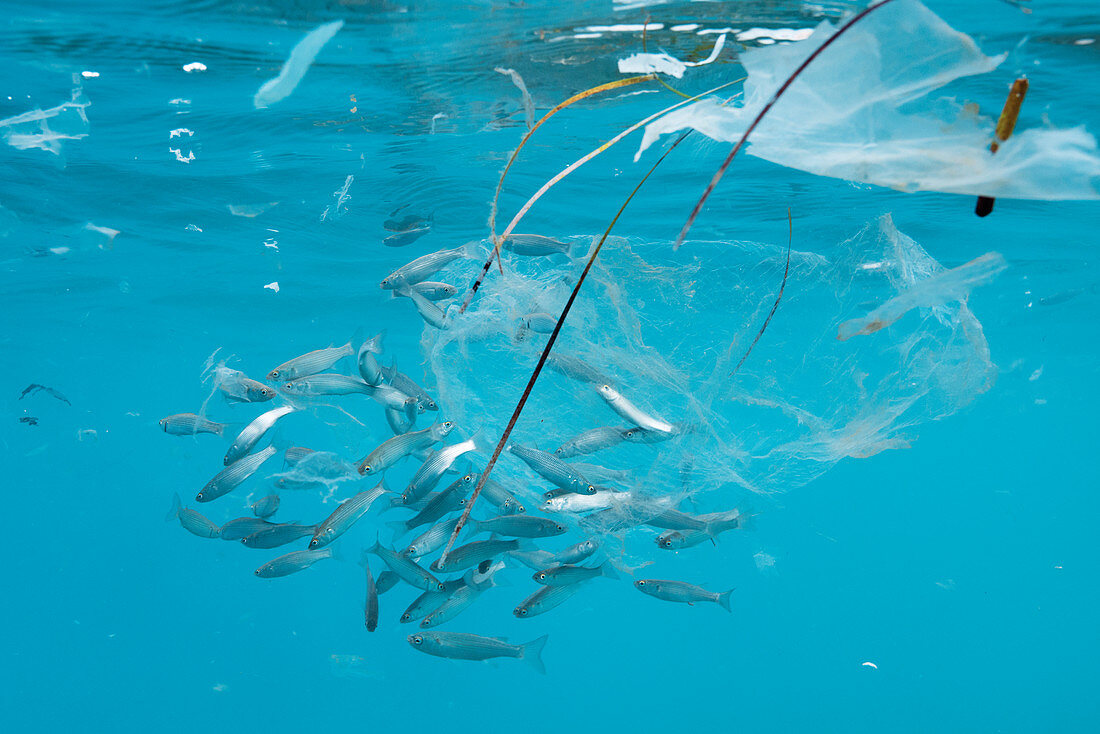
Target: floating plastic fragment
x=296 y=66
x=528 y=104
x=662 y=63
x=843 y=117
x=194 y=66
x=46 y=129
x=944 y=287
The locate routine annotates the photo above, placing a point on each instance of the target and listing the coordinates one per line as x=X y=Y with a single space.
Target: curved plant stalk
x=546 y=353
x=760 y=116
x=778 y=297
x=575 y=98
x=569 y=169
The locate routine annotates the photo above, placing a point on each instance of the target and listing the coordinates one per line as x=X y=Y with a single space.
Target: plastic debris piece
x=194 y=66
x=528 y=104
x=300 y=59
x=46 y=129
x=843 y=116
x=662 y=63
x=946 y=286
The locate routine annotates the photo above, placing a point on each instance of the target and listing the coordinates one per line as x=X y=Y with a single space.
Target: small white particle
x=1040 y=401
x=180 y=131
x=179 y=155
x=1084 y=42
x=194 y=66
x=1036 y=374
x=273 y=286
x=193 y=228
x=89 y=74
x=684 y=27
x=869 y=664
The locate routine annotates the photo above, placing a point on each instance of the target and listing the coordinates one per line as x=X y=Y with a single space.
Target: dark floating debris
x=35 y=387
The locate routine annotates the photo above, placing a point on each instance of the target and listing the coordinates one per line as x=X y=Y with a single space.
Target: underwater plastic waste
x=46 y=129
x=297 y=64
x=862 y=112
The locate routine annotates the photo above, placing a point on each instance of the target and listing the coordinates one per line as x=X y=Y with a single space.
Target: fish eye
x=521 y=611
x=462 y=501
x=640 y=583
x=560 y=527
x=542 y=577
x=274 y=373
x=417 y=639
x=406 y=617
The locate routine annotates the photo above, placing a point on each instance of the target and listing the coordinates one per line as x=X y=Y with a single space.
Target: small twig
x=782 y=286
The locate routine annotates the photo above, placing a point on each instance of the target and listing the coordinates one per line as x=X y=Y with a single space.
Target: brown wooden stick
x=1005 y=125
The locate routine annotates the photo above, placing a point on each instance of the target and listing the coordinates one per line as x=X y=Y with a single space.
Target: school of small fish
x=504 y=534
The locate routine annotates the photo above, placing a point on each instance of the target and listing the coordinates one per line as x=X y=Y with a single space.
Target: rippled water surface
x=922 y=552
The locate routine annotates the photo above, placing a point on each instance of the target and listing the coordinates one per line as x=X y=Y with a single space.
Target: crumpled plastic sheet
x=659 y=329
x=47 y=129
x=863 y=111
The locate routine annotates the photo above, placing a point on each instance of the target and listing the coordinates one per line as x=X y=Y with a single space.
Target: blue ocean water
x=946 y=583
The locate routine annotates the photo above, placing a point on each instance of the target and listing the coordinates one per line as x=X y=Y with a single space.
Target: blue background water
x=964 y=567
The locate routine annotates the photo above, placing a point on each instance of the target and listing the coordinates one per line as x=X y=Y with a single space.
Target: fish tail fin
x=470 y=250
x=532 y=653
x=388 y=373
x=482 y=443
x=364 y=559
x=174 y=510
x=335 y=552
x=609 y=571
x=355 y=342
x=724 y=600
x=375 y=344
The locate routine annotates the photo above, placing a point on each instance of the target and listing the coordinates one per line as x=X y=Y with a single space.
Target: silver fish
x=536 y=560
x=632 y=413
x=237 y=387
x=642 y=435
x=292 y=562
x=534 y=245
x=369 y=369
x=505 y=502
x=192 y=521
x=429 y=474
x=462 y=597
x=233 y=475
x=545 y=599
x=431 y=539
x=253 y=433
x=327 y=383
x=576 y=369
x=313 y=362
x=575 y=553
x=713 y=526
x=407 y=223
x=370 y=606
x=601 y=474
x=242 y=527
x=400 y=239
x=467 y=646
x=679 y=591
x=432 y=314
x=406 y=568
x=346 y=514
x=432 y=290
x=394 y=449
x=393 y=399
x=567 y=574
x=553 y=469
x=265 y=506
x=278 y=535
x=518 y=526
x=451 y=499
x=591 y=441
x=429 y=600
x=425 y=266
x=189 y=424
x=472 y=554
x=673 y=519
x=540 y=323
x=407 y=385
x=601 y=500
